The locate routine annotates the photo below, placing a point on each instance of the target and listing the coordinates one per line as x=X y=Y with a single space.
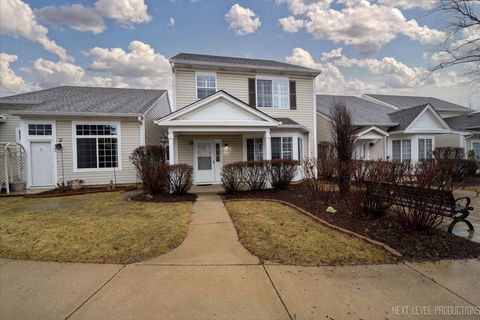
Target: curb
x=351 y=233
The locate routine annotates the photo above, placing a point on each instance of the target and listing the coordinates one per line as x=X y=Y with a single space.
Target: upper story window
x=273 y=93
x=39 y=129
x=206 y=85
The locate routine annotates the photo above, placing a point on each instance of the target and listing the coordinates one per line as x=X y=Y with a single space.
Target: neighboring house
x=396 y=127
x=234 y=109
x=469 y=124
x=97 y=127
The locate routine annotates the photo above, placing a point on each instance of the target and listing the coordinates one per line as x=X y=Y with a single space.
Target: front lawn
x=100 y=227
x=278 y=233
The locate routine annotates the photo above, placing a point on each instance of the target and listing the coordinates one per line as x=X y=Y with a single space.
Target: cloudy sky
x=376 y=46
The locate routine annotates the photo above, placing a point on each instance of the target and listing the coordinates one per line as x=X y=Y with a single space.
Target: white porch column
x=171 y=146
x=268 y=145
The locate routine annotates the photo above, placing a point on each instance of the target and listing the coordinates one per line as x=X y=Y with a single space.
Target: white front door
x=41 y=163
x=204 y=162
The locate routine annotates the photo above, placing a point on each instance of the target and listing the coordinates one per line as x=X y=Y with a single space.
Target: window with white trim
x=282 y=148
x=254 y=149
x=206 y=85
x=300 y=149
x=425 y=147
x=402 y=150
x=476 y=149
x=96 y=146
x=273 y=93
x=39 y=129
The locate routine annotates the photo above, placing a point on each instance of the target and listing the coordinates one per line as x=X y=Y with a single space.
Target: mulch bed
x=164 y=197
x=414 y=247
x=83 y=190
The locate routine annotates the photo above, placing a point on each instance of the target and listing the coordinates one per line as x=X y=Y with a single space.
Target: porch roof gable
x=218 y=109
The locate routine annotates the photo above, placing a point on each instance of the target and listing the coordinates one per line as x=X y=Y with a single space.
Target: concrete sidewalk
x=212 y=276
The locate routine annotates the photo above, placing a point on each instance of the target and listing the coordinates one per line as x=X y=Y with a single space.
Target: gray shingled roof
x=405 y=117
x=70 y=99
x=404 y=102
x=203 y=59
x=363 y=112
x=465 y=122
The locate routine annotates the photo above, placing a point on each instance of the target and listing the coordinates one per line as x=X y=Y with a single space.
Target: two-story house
x=224 y=110
x=233 y=109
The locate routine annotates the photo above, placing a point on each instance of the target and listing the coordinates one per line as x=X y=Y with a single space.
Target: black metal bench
x=441 y=201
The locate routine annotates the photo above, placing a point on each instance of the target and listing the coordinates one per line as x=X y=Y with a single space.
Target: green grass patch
x=278 y=233
x=100 y=227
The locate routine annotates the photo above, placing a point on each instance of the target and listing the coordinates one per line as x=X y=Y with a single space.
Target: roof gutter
x=76 y=114
x=311 y=72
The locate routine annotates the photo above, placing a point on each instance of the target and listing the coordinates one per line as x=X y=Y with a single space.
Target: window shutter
x=251 y=92
x=293 y=95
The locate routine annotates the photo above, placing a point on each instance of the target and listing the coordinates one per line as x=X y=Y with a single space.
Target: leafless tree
x=462 y=44
x=343 y=134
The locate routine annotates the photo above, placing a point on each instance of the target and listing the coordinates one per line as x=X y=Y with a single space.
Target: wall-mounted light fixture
x=226 y=146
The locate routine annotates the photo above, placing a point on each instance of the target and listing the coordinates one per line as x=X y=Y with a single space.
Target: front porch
x=221 y=129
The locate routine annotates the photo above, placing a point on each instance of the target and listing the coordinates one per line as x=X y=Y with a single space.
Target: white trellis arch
x=12 y=164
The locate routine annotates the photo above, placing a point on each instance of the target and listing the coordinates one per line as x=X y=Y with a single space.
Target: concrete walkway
x=211 y=276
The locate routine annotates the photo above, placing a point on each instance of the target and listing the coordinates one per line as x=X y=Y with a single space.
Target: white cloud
x=171 y=22
x=17 y=20
x=331 y=80
x=124 y=12
x=242 y=20
x=47 y=74
x=76 y=16
x=148 y=68
x=359 y=23
x=290 y=24
x=90 y=19
x=10 y=82
x=409 y=4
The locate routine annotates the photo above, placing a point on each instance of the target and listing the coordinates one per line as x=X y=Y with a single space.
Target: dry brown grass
x=99 y=227
x=278 y=233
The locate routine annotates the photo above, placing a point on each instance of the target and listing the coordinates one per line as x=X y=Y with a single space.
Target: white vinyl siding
x=236 y=84
x=153 y=133
x=8 y=129
x=447 y=140
x=130 y=139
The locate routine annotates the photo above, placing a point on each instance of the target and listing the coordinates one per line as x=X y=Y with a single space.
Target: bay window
x=476 y=148
x=206 y=85
x=96 y=146
x=255 y=149
x=282 y=148
x=402 y=150
x=424 y=149
x=273 y=93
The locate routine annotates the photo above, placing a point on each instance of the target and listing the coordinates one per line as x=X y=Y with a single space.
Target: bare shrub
x=343 y=134
x=151 y=167
x=420 y=201
x=319 y=189
x=255 y=174
x=282 y=172
x=449 y=153
x=180 y=177
x=232 y=177
x=326 y=156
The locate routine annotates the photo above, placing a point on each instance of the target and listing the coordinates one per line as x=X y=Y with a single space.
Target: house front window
x=282 y=148
x=424 y=149
x=96 y=146
x=300 y=149
x=206 y=85
x=273 y=93
x=476 y=149
x=402 y=150
x=254 y=149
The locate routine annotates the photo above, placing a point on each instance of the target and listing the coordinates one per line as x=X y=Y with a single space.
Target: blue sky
x=361 y=46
